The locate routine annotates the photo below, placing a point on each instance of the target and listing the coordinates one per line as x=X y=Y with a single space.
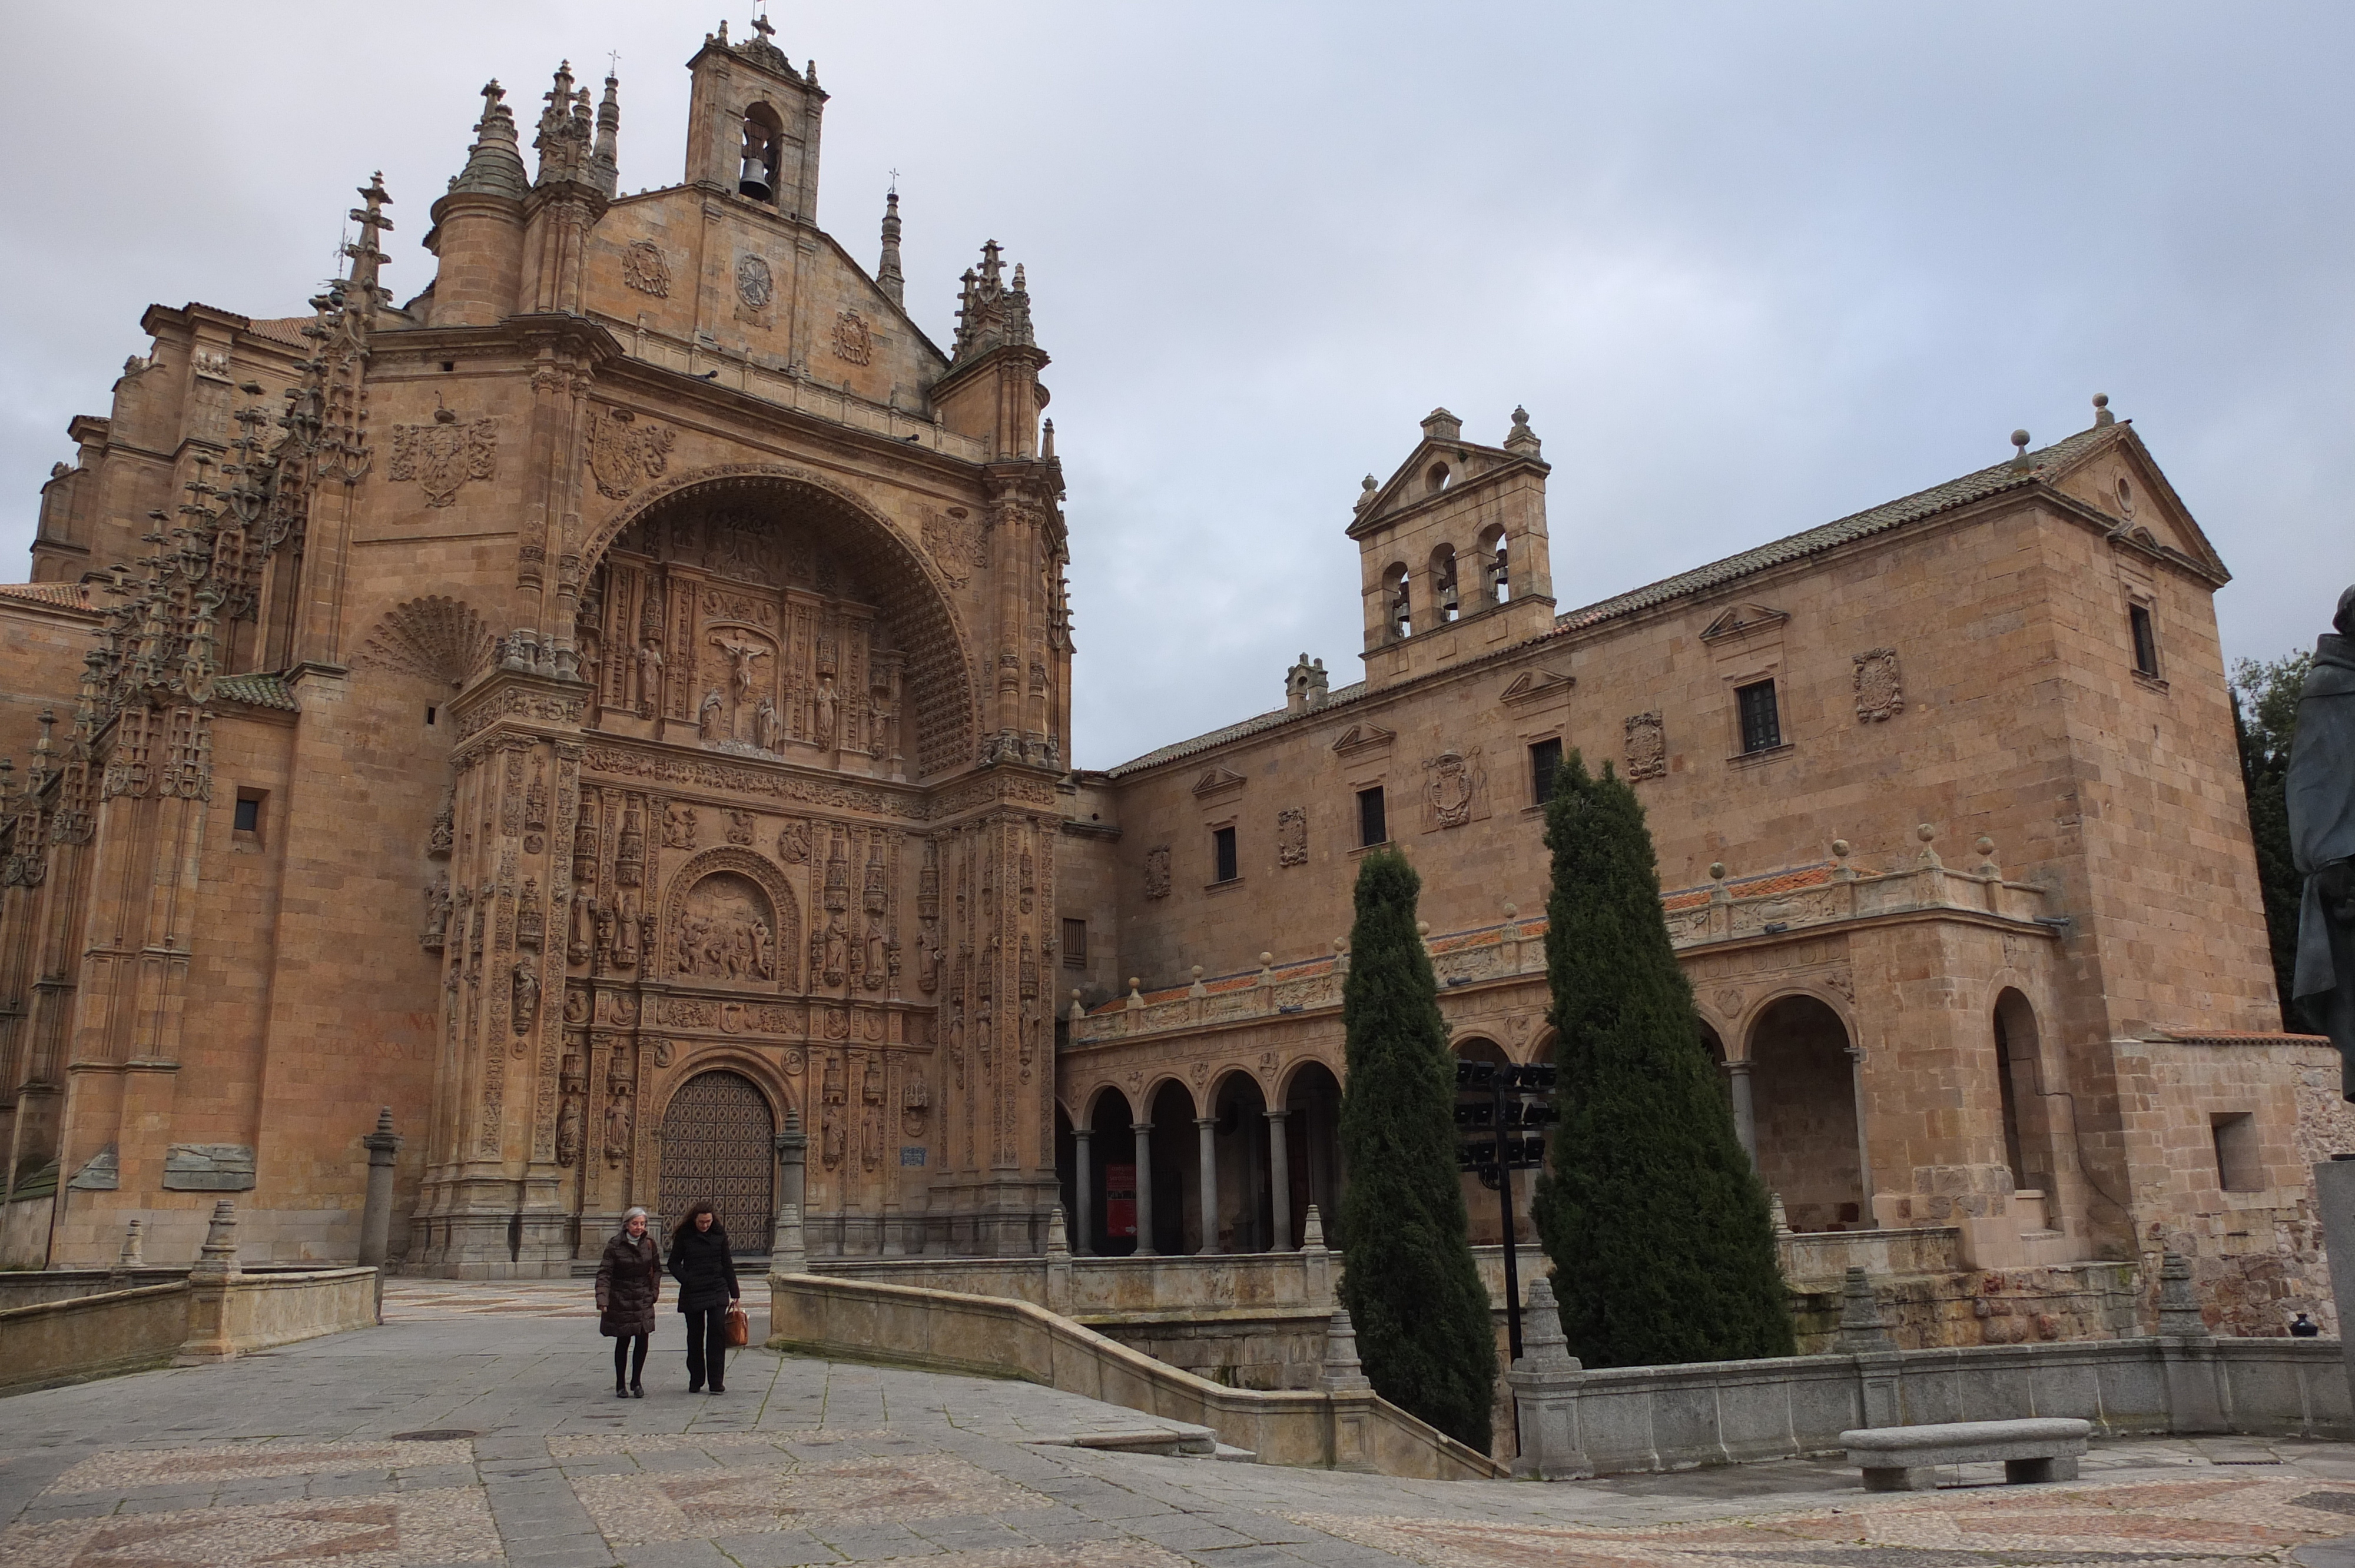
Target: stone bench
x=1906 y=1458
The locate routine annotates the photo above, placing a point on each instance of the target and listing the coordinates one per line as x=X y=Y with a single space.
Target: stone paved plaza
x=478 y=1426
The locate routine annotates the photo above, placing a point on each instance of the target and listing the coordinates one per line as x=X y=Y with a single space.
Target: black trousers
x=707 y=1346
x=629 y=1350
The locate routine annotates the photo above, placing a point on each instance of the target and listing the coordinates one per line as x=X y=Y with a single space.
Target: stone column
x=1143 y=1130
x=1745 y=1117
x=1083 y=1188
x=1863 y=1132
x=375 y=1220
x=1206 y=1132
x=1279 y=1179
x=789 y=1253
x=1545 y=1383
x=210 y=1333
x=2334 y=1194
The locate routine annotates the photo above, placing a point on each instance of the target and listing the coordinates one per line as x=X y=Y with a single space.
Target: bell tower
x=752 y=123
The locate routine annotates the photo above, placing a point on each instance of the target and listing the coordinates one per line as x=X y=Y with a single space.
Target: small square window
x=1223 y=854
x=1545 y=761
x=1373 y=823
x=2238 y=1167
x=1761 y=721
x=2145 y=639
x=248 y=819
x=1075 y=944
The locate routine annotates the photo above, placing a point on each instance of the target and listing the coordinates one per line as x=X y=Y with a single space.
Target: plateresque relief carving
x=1647 y=746
x=1156 y=871
x=1292 y=836
x=646 y=269
x=439 y=639
x=443 y=455
x=853 y=339
x=1451 y=789
x=624 y=454
x=1879 y=693
x=955 y=540
x=726 y=931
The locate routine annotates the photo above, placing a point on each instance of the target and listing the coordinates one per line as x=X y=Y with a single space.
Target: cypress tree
x=1424 y=1329
x=1657 y=1225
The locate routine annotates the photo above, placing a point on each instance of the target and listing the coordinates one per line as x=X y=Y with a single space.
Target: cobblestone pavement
x=478 y=1426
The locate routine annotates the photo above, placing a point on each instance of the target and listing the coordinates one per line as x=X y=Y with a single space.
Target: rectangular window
x=1222 y=853
x=1761 y=724
x=1545 y=761
x=247 y=820
x=2238 y=1167
x=1373 y=825
x=1075 y=944
x=2145 y=639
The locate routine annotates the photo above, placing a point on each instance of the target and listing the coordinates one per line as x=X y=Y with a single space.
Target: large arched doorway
x=718 y=1146
x=1803 y=1091
x=1110 y=1176
x=1245 y=1221
x=2029 y=1146
x=1177 y=1216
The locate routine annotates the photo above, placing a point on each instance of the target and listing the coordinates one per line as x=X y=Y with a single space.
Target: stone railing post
x=1058 y=1264
x=1860 y=1326
x=789 y=1251
x=210 y=1284
x=119 y=1278
x=1315 y=1262
x=2195 y=1394
x=1545 y=1395
x=375 y=1219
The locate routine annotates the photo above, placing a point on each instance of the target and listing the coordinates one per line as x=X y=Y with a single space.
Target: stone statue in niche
x=531 y=919
x=837 y=950
x=725 y=931
x=678 y=826
x=1647 y=746
x=915 y=1100
x=650 y=669
x=743 y=655
x=437 y=917
x=439 y=841
x=957 y=1039
x=711 y=721
x=526 y=996
x=870 y=1114
x=619 y=1120
x=928 y=955
x=740 y=826
x=768 y=728
x=568 y=1131
x=831 y=1132
x=577 y=947
x=822 y=714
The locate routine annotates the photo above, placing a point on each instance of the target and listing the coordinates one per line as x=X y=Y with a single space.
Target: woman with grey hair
x=629 y=1283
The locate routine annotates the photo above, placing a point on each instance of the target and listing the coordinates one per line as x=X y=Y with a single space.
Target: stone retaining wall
x=102 y=1332
x=996 y=1335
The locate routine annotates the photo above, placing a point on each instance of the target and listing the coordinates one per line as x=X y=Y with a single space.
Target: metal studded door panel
x=718 y=1146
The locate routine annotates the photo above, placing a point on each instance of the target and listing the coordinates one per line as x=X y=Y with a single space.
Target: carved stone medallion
x=644 y=269
x=624 y=454
x=1879 y=693
x=1647 y=746
x=955 y=543
x=445 y=454
x=753 y=284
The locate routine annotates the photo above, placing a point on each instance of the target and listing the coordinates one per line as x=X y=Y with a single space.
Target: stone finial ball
x=1511 y=909
x=2019 y=438
x=2101 y=399
x=1986 y=845
x=1717 y=871
x=1198 y=971
x=1925 y=833
x=1266 y=959
x=1423 y=927
x=1341 y=944
x=1840 y=848
x=1075 y=993
x=1131 y=982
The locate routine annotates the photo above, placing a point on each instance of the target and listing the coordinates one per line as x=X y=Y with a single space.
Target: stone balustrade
x=1808 y=899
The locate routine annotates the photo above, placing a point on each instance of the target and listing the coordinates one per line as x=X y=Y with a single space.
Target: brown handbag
x=739 y=1327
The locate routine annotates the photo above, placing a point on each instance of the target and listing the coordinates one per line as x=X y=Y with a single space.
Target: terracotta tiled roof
x=281 y=329
x=1946 y=497
x=256 y=692
x=68 y=595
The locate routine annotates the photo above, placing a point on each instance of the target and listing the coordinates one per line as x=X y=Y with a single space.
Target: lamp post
x=1502 y=1113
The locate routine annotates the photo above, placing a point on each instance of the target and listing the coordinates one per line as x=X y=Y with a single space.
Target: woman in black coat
x=706 y=1287
x=629 y=1283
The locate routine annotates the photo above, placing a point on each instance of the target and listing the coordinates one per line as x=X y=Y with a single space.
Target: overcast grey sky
x=1750 y=267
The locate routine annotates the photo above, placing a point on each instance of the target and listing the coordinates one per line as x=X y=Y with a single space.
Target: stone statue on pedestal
x=2322 y=788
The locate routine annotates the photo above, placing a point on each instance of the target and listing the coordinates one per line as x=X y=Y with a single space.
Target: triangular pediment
x=1440 y=467
x=1535 y=684
x=1218 y=781
x=1742 y=620
x=2119 y=480
x=1362 y=736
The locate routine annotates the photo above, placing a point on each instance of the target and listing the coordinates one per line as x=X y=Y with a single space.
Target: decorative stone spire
x=494 y=164
x=564 y=140
x=2102 y=415
x=888 y=276
x=1860 y=1328
x=2020 y=463
x=1521 y=440
x=1341 y=1373
x=604 y=164
x=219 y=1259
x=2179 y=1304
x=1544 y=1347
x=990 y=313
x=366 y=257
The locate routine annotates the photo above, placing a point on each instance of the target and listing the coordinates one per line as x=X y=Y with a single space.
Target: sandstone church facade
x=616 y=705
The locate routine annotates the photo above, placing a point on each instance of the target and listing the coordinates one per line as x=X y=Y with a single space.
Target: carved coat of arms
x=624 y=454
x=646 y=269
x=955 y=544
x=1647 y=746
x=445 y=454
x=853 y=339
x=1880 y=694
x=1451 y=783
x=1156 y=871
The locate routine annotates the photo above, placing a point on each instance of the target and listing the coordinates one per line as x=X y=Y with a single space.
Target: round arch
x=785 y=941
x=1291 y=1073
x=718 y=1144
x=914 y=596
x=1804 y=1102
